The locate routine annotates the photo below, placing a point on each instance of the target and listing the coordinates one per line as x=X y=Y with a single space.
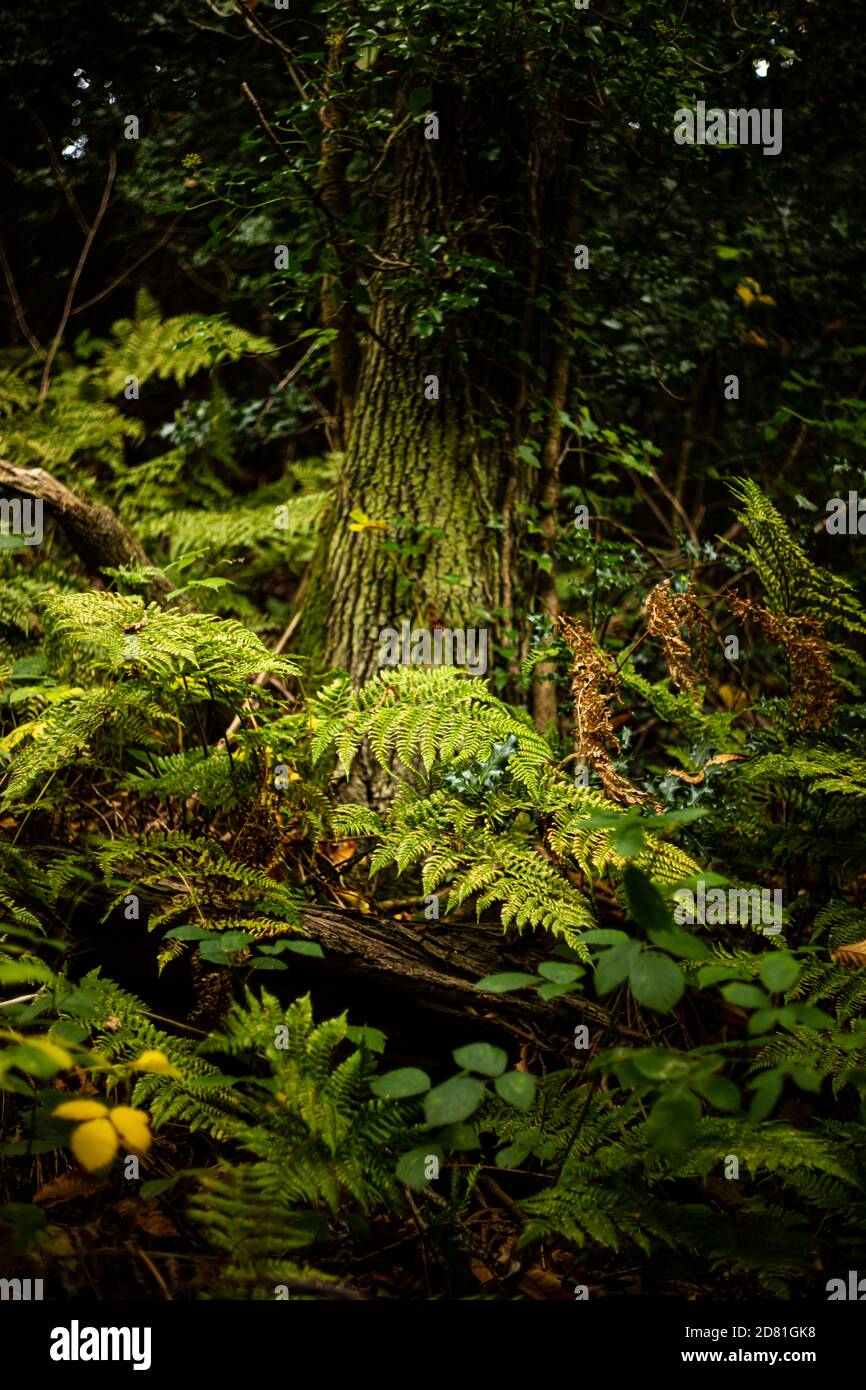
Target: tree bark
x=410 y=459
x=444 y=485
x=337 y=308
x=435 y=969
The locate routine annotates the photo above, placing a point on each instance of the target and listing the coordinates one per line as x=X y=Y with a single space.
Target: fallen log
x=95 y=533
x=380 y=969
x=435 y=966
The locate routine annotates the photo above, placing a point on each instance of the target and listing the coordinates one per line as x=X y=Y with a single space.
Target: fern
x=792 y=582
x=149 y=345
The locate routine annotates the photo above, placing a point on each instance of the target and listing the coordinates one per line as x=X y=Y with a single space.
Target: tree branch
x=60 y=175
x=76 y=276
x=94 y=532
x=18 y=306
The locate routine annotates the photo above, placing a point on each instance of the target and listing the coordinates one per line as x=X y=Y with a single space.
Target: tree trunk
x=414 y=463
x=431 y=520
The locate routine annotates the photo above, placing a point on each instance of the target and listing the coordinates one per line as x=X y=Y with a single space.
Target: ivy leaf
x=481 y=1057
x=656 y=981
x=405 y=1081
x=778 y=971
x=516 y=1088
x=454 y=1100
x=504 y=982
x=420 y=99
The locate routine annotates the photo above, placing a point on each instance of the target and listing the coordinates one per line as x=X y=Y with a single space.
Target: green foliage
x=148 y=345
x=793 y=583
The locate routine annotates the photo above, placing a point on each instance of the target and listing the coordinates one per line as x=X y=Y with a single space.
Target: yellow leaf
x=81 y=1110
x=341 y=851
x=57 y=1054
x=94 y=1144
x=354 y=900
x=155 y=1061
x=360 y=521
x=133 y=1126
x=32 y=727
x=746 y=293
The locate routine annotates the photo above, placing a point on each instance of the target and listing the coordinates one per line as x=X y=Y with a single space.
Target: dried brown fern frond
x=853 y=955
x=594 y=685
x=668 y=614
x=814 y=691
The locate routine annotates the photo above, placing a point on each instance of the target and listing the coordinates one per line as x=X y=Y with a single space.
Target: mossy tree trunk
x=451 y=479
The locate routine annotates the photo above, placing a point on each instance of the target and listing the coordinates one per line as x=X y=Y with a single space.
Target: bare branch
x=17 y=305
x=61 y=177
x=96 y=534
x=76 y=275
x=125 y=274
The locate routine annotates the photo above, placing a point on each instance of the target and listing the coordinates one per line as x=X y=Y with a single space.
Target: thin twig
x=125 y=274
x=76 y=276
x=18 y=306
x=61 y=177
x=262 y=677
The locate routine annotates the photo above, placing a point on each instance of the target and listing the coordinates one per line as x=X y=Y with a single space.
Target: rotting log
x=435 y=966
